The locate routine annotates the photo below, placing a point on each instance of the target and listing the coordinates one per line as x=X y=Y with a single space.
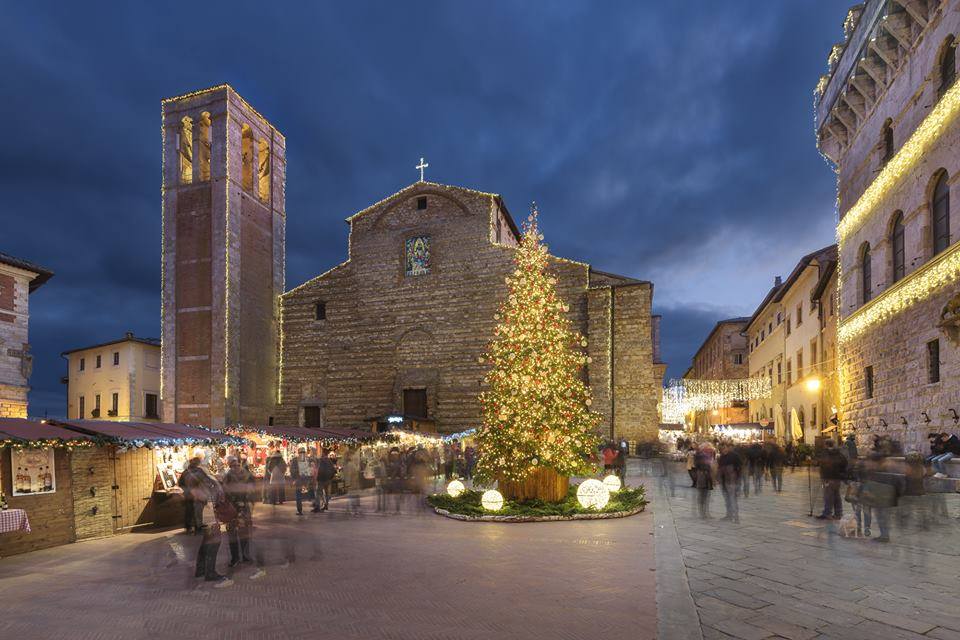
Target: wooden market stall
x=36 y=484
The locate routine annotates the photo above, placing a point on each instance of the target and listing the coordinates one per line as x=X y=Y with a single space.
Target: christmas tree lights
x=536 y=411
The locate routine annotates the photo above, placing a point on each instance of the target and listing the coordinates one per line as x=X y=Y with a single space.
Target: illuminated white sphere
x=612 y=483
x=492 y=500
x=593 y=494
x=455 y=488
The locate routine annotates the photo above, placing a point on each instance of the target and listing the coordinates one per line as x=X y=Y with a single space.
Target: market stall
x=743 y=431
x=36 y=484
x=132 y=477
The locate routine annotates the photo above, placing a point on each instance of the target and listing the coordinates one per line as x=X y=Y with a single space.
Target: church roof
x=411 y=187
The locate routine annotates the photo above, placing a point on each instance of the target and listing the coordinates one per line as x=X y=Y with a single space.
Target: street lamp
x=812 y=384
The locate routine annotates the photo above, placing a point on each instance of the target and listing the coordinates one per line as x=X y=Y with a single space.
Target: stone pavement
x=404 y=577
x=782 y=574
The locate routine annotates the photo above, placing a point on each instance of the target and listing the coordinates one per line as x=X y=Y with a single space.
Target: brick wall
x=51 y=515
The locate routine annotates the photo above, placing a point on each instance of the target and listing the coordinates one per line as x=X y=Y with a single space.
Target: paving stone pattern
x=408 y=576
x=782 y=574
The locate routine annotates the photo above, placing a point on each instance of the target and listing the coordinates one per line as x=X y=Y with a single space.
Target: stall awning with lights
x=29 y=433
x=146 y=433
x=306 y=434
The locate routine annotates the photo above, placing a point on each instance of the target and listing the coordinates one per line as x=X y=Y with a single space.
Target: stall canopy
x=146 y=433
x=305 y=434
x=23 y=432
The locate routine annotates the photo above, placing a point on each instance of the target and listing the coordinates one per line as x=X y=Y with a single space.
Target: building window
x=779 y=373
x=779 y=317
x=421 y=203
x=263 y=170
x=868 y=381
x=813 y=353
x=866 y=273
x=789 y=372
x=788 y=326
x=813 y=415
x=83 y=364
x=738 y=358
x=185 y=150
x=886 y=142
x=246 y=156
x=96 y=407
x=933 y=361
x=114 y=403
x=417 y=256
x=98 y=361
x=81 y=413
x=799 y=314
x=896 y=242
x=770 y=327
x=801 y=417
x=948 y=67
x=150 y=406
x=799 y=364
x=941 y=214
x=116 y=358
x=763 y=335
x=203 y=152
x=319 y=310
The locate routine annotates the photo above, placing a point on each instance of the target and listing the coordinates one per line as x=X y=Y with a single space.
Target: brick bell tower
x=224 y=171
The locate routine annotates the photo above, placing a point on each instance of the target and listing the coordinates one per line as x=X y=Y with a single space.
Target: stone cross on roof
x=423 y=165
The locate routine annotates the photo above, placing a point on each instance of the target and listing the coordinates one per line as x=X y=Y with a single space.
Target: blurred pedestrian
x=239 y=487
x=703 y=481
x=776 y=459
x=194 y=495
x=833 y=471
x=729 y=468
x=351 y=483
x=326 y=470
x=303 y=472
x=276 y=477
x=223 y=512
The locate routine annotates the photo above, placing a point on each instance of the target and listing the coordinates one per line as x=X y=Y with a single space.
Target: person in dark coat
x=194 y=496
x=326 y=470
x=729 y=468
x=210 y=544
x=833 y=471
x=703 y=481
x=776 y=459
x=276 y=478
x=240 y=489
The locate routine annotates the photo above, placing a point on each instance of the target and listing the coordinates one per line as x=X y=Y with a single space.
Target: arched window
x=940 y=209
x=263 y=170
x=948 y=66
x=886 y=141
x=896 y=245
x=246 y=156
x=866 y=273
x=203 y=152
x=185 y=150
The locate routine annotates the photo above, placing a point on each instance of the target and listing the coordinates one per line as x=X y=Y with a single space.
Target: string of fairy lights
x=684 y=396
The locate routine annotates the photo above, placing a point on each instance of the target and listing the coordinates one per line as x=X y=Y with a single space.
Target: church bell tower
x=224 y=170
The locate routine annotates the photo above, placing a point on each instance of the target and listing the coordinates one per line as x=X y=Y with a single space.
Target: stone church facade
x=888 y=116
x=400 y=326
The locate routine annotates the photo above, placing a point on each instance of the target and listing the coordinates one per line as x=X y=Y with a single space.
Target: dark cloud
x=668 y=141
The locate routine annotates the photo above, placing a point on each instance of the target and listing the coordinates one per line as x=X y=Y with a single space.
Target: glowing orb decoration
x=492 y=500
x=612 y=483
x=455 y=488
x=593 y=494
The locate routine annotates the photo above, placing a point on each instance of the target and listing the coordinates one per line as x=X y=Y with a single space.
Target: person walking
x=239 y=487
x=380 y=482
x=351 y=483
x=776 y=460
x=303 y=472
x=729 y=468
x=223 y=511
x=395 y=478
x=880 y=492
x=276 y=477
x=833 y=471
x=194 y=496
x=326 y=470
x=703 y=481
x=854 y=495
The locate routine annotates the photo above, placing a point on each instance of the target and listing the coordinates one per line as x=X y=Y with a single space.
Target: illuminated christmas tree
x=536 y=411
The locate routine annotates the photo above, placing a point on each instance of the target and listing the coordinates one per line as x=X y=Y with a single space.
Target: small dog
x=847 y=526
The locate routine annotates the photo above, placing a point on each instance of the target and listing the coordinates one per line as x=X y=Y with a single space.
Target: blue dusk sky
x=667 y=141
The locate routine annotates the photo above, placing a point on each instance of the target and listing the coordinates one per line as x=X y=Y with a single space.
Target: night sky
x=668 y=141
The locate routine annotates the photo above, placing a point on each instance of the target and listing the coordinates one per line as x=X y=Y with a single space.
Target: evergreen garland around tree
x=536 y=409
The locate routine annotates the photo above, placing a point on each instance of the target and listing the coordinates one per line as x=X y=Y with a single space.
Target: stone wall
x=14 y=321
x=385 y=331
x=896 y=346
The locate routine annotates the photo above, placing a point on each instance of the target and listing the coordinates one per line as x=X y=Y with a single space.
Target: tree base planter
x=542 y=484
x=576 y=516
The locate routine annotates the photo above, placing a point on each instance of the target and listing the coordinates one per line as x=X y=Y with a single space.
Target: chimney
x=777 y=281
